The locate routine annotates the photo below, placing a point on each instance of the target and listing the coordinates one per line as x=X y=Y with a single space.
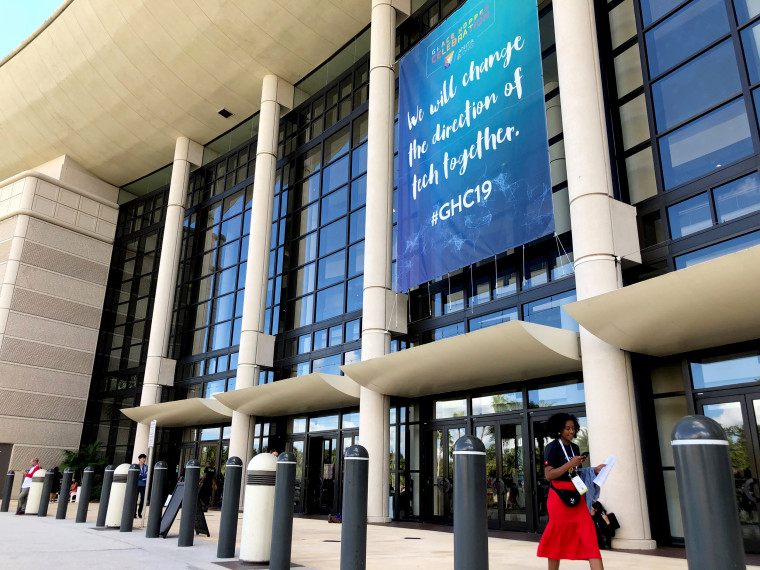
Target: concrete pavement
x=31 y=542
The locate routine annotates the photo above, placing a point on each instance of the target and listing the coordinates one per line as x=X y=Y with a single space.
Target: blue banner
x=473 y=150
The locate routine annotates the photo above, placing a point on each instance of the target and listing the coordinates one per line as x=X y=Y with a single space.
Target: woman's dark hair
x=557 y=423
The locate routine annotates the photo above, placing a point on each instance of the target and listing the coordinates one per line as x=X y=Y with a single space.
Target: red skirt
x=570 y=534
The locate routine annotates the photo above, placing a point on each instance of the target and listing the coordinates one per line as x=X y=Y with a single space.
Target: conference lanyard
x=562 y=445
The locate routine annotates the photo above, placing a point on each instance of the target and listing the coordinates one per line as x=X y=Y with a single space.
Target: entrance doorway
x=739 y=416
x=440 y=487
x=322 y=475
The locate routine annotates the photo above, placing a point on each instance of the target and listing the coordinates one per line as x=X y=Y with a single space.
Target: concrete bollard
x=230 y=502
x=105 y=496
x=282 y=523
x=704 y=474
x=83 y=495
x=258 y=509
x=35 y=493
x=353 y=534
x=63 y=496
x=157 y=497
x=130 y=499
x=470 y=500
x=47 y=486
x=189 y=503
x=116 y=500
x=7 y=491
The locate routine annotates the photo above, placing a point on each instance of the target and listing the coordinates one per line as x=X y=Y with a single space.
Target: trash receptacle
x=116 y=499
x=258 y=509
x=35 y=493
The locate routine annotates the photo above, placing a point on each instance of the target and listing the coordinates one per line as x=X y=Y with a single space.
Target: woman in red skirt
x=570 y=534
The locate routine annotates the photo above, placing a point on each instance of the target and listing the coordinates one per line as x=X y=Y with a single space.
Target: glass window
x=323 y=423
x=628 y=71
x=684 y=33
x=640 y=172
x=329 y=303
x=506 y=282
x=332 y=269
x=746 y=10
x=332 y=237
x=353 y=330
x=708 y=143
x=336 y=335
x=301 y=312
x=320 y=339
x=327 y=365
x=354 y=294
x=450 y=408
x=304 y=279
x=335 y=175
x=358 y=192
x=334 y=205
x=296 y=425
x=751 y=42
x=359 y=161
x=717 y=250
x=549 y=311
x=336 y=144
x=622 y=23
x=535 y=272
x=701 y=83
x=737 y=198
x=215 y=387
x=497 y=403
x=351 y=420
x=634 y=122
x=493 y=319
x=305 y=249
x=561 y=264
x=304 y=344
x=690 y=216
x=739 y=368
x=353 y=356
x=356 y=259
x=357 y=225
x=557 y=394
x=652 y=10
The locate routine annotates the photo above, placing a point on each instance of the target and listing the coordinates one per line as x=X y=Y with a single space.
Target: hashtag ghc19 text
x=468 y=199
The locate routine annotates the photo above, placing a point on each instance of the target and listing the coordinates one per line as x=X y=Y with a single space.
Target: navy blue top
x=143 y=477
x=553 y=457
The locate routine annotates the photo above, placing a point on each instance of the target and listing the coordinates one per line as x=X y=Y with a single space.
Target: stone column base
x=633 y=544
x=379 y=520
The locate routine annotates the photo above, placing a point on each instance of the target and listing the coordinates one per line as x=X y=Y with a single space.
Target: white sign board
x=152 y=436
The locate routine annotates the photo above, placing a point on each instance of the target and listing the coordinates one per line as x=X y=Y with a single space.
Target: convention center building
x=302 y=225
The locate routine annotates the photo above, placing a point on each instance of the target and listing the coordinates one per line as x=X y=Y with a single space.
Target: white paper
x=602 y=476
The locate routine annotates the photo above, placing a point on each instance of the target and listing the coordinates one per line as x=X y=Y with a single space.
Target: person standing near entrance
x=26 y=484
x=570 y=534
x=207 y=484
x=142 y=480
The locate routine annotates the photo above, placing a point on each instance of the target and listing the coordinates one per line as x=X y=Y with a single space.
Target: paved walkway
x=31 y=542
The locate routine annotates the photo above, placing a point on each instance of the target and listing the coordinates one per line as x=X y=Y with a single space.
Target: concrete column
x=186 y=152
x=374 y=423
x=610 y=402
x=275 y=94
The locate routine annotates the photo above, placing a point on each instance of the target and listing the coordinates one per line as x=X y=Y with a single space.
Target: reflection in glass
x=684 y=33
x=718 y=250
x=701 y=83
x=727 y=370
x=690 y=216
x=497 y=403
x=329 y=303
x=450 y=408
x=557 y=394
x=549 y=311
x=737 y=198
x=492 y=319
x=710 y=142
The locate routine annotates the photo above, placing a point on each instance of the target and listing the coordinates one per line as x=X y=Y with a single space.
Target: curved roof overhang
x=710 y=304
x=309 y=393
x=503 y=353
x=182 y=413
x=113 y=84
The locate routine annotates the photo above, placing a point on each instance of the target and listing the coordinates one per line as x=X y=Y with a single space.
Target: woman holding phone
x=570 y=534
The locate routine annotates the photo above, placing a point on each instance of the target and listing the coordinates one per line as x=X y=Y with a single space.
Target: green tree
x=89 y=455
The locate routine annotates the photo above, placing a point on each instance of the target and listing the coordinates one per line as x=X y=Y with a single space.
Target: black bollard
x=470 y=500
x=47 y=485
x=7 y=491
x=353 y=535
x=83 y=496
x=189 y=503
x=230 y=504
x=712 y=530
x=130 y=499
x=63 y=496
x=157 y=497
x=105 y=494
x=282 y=525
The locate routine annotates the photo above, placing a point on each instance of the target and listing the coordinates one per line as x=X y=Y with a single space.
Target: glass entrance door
x=209 y=457
x=297 y=447
x=441 y=485
x=321 y=482
x=541 y=436
x=505 y=477
x=739 y=416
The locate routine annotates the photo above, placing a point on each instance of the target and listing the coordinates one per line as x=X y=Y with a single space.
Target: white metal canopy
x=309 y=393
x=182 y=413
x=507 y=352
x=710 y=304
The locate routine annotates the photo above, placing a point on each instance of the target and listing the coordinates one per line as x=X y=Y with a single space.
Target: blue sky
x=19 y=18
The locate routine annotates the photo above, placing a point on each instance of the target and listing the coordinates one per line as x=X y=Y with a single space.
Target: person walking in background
x=570 y=534
x=207 y=484
x=55 y=489
x=26 y=484
x=142 y=480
